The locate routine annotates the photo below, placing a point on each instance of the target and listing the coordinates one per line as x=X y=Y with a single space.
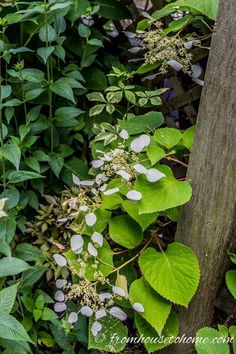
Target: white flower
x=60 y=283
x=134 y=195
x=59 y=296
x=118 y=313
x=59 y=307
x=105 y=296
x=138 y=307
x=96 y=328
x=83 y=208
x=73 y=317
x=60 y=260
x=79 y=250
x=124 y=134
x=100 y=314
x=140 y=168
x=90 y=219
x=111 y=191
x=196 y=71
x=119 y=291
x=175 y=65
x=97 y=163
x=107 y=158
x=86 y=311
x=87 y=183
x=145 y=139
x=76 y=242
x=137 y=145
x=153 y=175
x=76 y=180
x=198 y=81
x=125 y=175
x=62 y=220
x=92 y=250
x=97 y=238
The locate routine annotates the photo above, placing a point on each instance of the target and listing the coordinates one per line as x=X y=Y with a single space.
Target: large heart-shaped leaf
x=156 y=308
x=210 y=341
x=174 y=274
x=162 y=195
x=125 y=231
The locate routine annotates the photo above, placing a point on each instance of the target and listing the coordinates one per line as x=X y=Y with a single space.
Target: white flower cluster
x=124 y=163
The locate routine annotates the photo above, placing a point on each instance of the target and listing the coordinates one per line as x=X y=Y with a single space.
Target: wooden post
x=208 y=221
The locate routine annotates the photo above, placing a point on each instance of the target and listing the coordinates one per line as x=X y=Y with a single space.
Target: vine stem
x=177 y=161
x=133 y=258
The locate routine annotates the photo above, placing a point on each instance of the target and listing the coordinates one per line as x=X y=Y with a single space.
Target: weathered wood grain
x=208 y=222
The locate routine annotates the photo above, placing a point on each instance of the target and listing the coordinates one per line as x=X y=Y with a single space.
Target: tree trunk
x=207 y=223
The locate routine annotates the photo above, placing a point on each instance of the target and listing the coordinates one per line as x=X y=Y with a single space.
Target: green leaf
x=7 y=229
x=146 y=331
x=12 y=153
x=23 y=131
x=96 y=109
x=7 y=299
x=143 y=123
x=32 y=75
x=174 y=273
x=155 y=153
x=208 y=8
x=21 y=176
x=33 y=163
x=45 y=52
x=12 y=266
x=47 y=33
x=165 y=194
x=32 y=275
x=32 y=94
x=125 y=231
x=56 y=163
x=29 y=253
x=143 y=220
x=231 y=282
x=84 y=31
x=156 y=308
x=178 y=25
x=103 y=341
x=63 y=89
x=168 y=137
x=188 y=137
x=95 y=80
x=113 y=10
x=210 y=341
x=10 y=328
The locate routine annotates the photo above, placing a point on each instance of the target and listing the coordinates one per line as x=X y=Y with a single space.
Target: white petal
x=140 y=168
x=108 y=157
x=87 y=183
x=196 y=70
x=59 y=307
x=124 y=134
x=103 y=187
x=76 y=180
x=175 y=65
x=94 y=191
x=98 y=238
x=111 y=191
x=118 y=313
x=60 y=260
x=97 y=163
x=105 y=296
x=100 y=314
x=125 y=175
x=137 y=145
x=79 y=250
x=119 y=291
x=92 y=250
x=145 y=139
x=59 y=296
x=73 y=317
x=60 y=283
x=188 y=45
x=62 y=220
x=138 y=307
x=76 y=242
x=198 y=81
x=96 y=328
x=86 y=311
x=90 y=219
x=83 y=208
x=154 y=175
x=134 y=195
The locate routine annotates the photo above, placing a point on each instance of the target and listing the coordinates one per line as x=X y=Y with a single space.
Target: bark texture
x=207 y=223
